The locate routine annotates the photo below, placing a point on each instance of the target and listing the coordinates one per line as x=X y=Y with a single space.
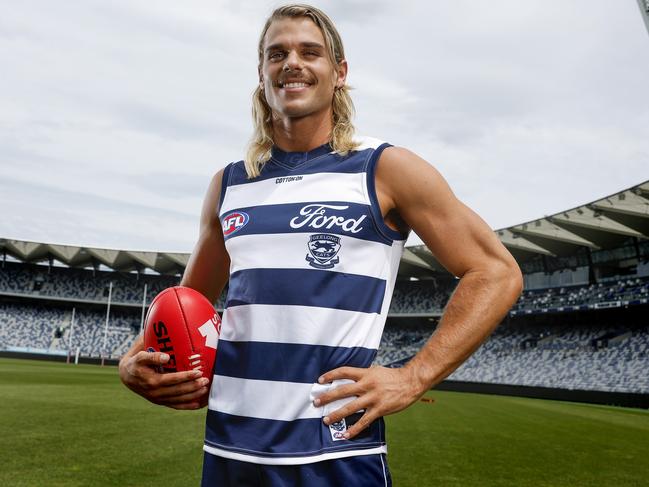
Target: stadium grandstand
x=581 y=323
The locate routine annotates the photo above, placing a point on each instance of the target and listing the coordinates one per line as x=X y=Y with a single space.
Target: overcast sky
x=115 y=114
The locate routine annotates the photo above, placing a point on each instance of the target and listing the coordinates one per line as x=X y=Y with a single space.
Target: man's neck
x=302 y=134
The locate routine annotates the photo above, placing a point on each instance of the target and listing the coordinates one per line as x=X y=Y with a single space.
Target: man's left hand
x=379 y=391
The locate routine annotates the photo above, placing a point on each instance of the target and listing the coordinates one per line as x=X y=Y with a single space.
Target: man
x=309 y=230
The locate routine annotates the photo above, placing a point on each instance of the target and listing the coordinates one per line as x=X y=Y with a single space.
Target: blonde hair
x=261 y=142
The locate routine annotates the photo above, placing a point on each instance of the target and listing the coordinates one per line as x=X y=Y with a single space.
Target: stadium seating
x=603 y=292
x=29 y=326
x=419 y=297
x=35 y=327
x=557 y=356
x=565 y=359
x=80 y=284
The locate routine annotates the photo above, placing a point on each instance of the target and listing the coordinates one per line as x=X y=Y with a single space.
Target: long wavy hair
x=261 y=142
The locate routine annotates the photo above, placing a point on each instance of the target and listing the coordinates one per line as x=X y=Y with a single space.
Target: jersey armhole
x=225 y=182
x=375 y=208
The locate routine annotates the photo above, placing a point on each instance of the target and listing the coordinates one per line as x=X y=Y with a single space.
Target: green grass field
x=66 y=425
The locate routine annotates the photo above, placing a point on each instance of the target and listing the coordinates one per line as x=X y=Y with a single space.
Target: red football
x=183 y=323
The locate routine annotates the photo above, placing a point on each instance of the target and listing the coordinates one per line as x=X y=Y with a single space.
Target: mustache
x=282 y=80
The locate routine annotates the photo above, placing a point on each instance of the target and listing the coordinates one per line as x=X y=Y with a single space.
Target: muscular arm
x=207 y=272
x=209 y=265
x=490 y=283
x=490 y=279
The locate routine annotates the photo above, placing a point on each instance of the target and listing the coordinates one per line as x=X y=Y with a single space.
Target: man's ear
x=261 y=78
x=341 y=72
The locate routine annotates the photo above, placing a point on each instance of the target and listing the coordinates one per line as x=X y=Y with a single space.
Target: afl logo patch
x=234 y=221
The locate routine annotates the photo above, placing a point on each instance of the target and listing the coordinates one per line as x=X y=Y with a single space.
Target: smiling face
x=296 y=73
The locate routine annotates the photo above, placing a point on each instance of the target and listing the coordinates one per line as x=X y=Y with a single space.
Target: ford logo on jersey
x=234 y=221
x=316 y=216
x=323 y=247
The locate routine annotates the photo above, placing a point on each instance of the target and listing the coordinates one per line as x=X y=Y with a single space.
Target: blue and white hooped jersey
x=313 y=267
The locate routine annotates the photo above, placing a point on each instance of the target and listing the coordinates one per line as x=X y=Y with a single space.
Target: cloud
x=525 y=108
x=36 y=212
x=171 y=185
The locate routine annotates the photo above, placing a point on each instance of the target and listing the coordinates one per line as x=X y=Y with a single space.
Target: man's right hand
x=207 y=272
x=178 y=390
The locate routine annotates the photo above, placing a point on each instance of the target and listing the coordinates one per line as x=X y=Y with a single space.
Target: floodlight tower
x=644 y=9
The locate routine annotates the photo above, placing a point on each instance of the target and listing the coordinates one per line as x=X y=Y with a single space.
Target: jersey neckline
x=296 y=158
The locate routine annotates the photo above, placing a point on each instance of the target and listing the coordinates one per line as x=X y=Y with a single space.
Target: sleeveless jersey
x=313 y=267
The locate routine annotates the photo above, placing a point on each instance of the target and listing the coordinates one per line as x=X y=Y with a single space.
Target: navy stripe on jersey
x=271 y=219
x=305 y=287
x=225 y=178
x=276 y=361
x=330 y=163
x=293 y=159
x=357 y=471
x=301 y=437
x=371 y=190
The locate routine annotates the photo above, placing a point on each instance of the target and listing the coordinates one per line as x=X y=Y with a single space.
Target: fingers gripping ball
x=183 y=323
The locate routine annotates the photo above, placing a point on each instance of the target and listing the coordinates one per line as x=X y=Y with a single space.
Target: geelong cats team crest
x=323 y=248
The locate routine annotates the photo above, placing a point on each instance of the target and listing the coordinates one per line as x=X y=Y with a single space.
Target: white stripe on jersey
x=367 y=142
x=396 y=251
x=326 y=186
x=293 y=460
x=289 y=251
x=300 y=325
x=265 y=399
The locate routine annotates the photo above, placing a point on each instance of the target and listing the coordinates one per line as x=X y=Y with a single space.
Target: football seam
x=185 y=323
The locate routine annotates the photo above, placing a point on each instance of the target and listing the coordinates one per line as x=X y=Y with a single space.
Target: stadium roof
x=644 y=10
x=602 y=224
